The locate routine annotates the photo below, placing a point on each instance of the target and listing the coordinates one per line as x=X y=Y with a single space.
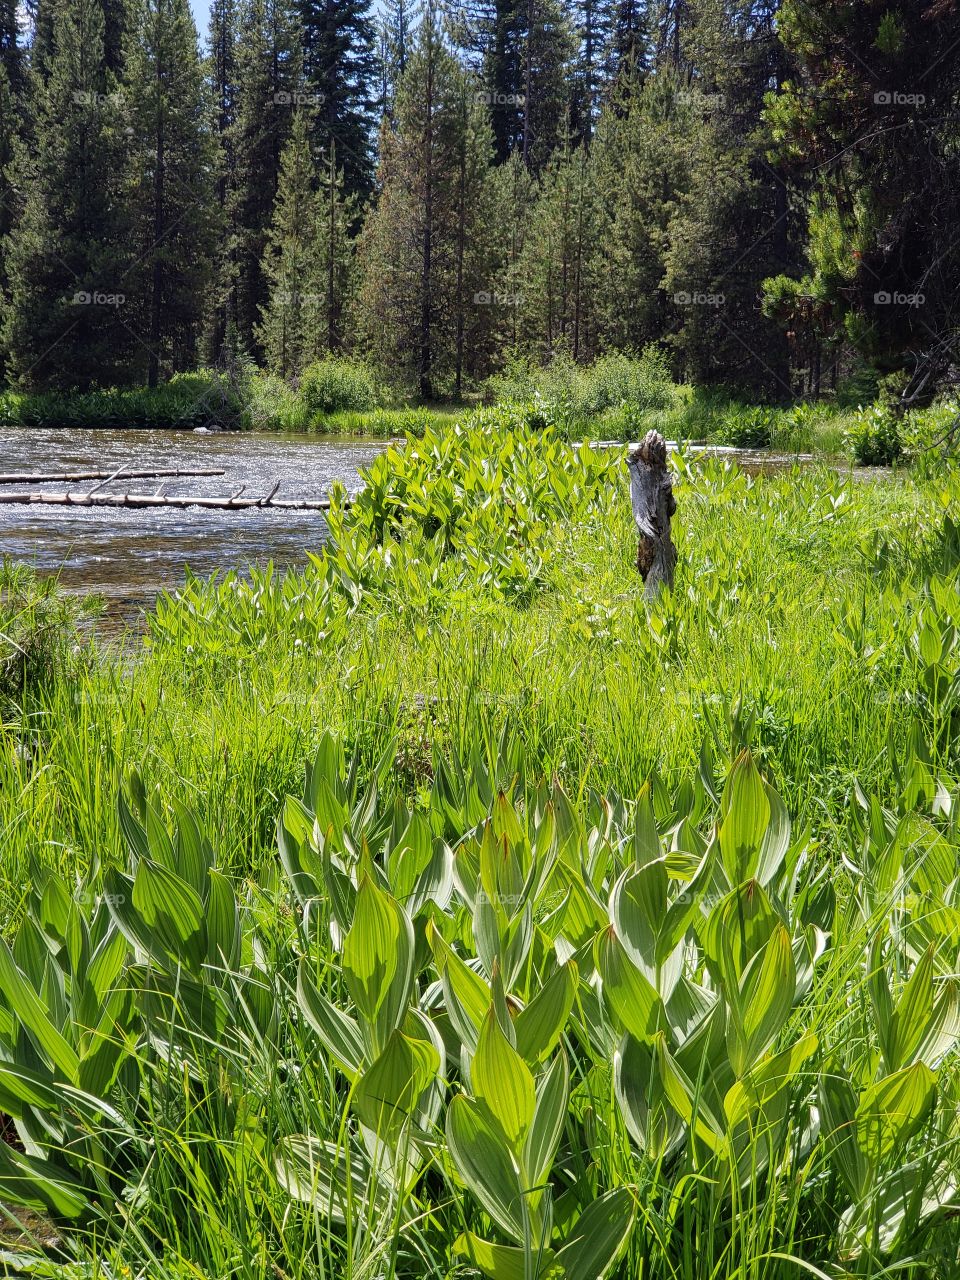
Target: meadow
x=447 y=909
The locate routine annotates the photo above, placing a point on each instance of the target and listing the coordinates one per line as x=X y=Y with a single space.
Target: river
x=127 y=556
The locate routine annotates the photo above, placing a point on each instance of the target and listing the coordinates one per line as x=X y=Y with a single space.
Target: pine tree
x=221 y=71
x=641 y=164
x=269 y=90
x=426 y=254
x=627 y=55
x=867 y=122
x=11 y=88
x=559 y=260
x=68 y=254
x=594 y=31
x=171 y=182
x=525 y=53
x=340 y=67
x=334 y=254
x=11 y=55
x=398 y=29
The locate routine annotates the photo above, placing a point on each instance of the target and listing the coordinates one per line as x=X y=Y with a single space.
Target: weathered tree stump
x=651 y=492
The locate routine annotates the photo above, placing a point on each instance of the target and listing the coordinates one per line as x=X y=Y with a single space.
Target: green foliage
x=188 y=400
x=37 y=622
x=874 y=438
x=427 y=941
x=333 y=384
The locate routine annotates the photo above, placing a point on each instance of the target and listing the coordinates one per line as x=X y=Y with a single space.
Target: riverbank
x=615 y=398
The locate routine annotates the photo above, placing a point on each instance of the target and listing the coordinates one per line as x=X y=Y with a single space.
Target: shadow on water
x=128 y=556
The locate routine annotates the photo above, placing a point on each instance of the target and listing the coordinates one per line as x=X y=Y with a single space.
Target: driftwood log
x=143 y=501
x=651 y=493
x=71 y=477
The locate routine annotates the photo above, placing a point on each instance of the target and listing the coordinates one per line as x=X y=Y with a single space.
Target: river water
x=127 y=556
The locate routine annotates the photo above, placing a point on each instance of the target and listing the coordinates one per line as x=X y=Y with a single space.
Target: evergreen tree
x=309 y=259
x=11 y=55
x=558 y=267
x=171 y=183
x=868 y=121
x=68 y=254
x=627 y=55
x=221 y=70
x=285 y=331
x=734 y=226
x=340 y=66
x=269 y=89
x=641 y=162
x=524 y=52
x=398 y=29
x=594 y=32
x=427 y=249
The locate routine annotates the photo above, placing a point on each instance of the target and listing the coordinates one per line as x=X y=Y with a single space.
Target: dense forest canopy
x=768 y=192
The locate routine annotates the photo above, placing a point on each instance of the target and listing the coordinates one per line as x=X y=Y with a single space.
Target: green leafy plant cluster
x=334 y=384
x=506 y=1031
x=189 y=400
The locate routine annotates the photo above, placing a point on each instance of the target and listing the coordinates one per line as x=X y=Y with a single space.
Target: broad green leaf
x=390 y=1089
x=466 y=995
x=767 y=1081
x=223 y=923
x=502 y=1082
x=319 y=1173
x=892 y=1110
x=548 y=1120
x=912 y=1015
x=485 y=1164
x=171 y=911
x=29 y=1009
x=746 y=816
x=598 y=1238
x=762 y=1005
x=631 y=998
x=540 y=1024
x=378 y=962
x=505 y=1262
x=653 y=1124
x=339 y=1032
x=838 y=1110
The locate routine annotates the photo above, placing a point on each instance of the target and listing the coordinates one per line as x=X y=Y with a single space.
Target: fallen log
x=71 y=477
x=140 y=501
x=651 y=494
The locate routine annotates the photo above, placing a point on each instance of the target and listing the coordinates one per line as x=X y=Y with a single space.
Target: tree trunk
x=651 y=493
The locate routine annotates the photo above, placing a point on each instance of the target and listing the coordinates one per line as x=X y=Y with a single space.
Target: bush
x=565 y=392
x=331 y=385
x=746 y=427
x=202 y=399
x=37 y=622
x=874 y=439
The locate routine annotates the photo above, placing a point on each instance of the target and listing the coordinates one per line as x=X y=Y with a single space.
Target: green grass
x=478 y=625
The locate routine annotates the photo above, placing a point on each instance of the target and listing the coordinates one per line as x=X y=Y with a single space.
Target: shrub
x=746 y=427
x=874 y=439
x=334 y=383
x=37 y=622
